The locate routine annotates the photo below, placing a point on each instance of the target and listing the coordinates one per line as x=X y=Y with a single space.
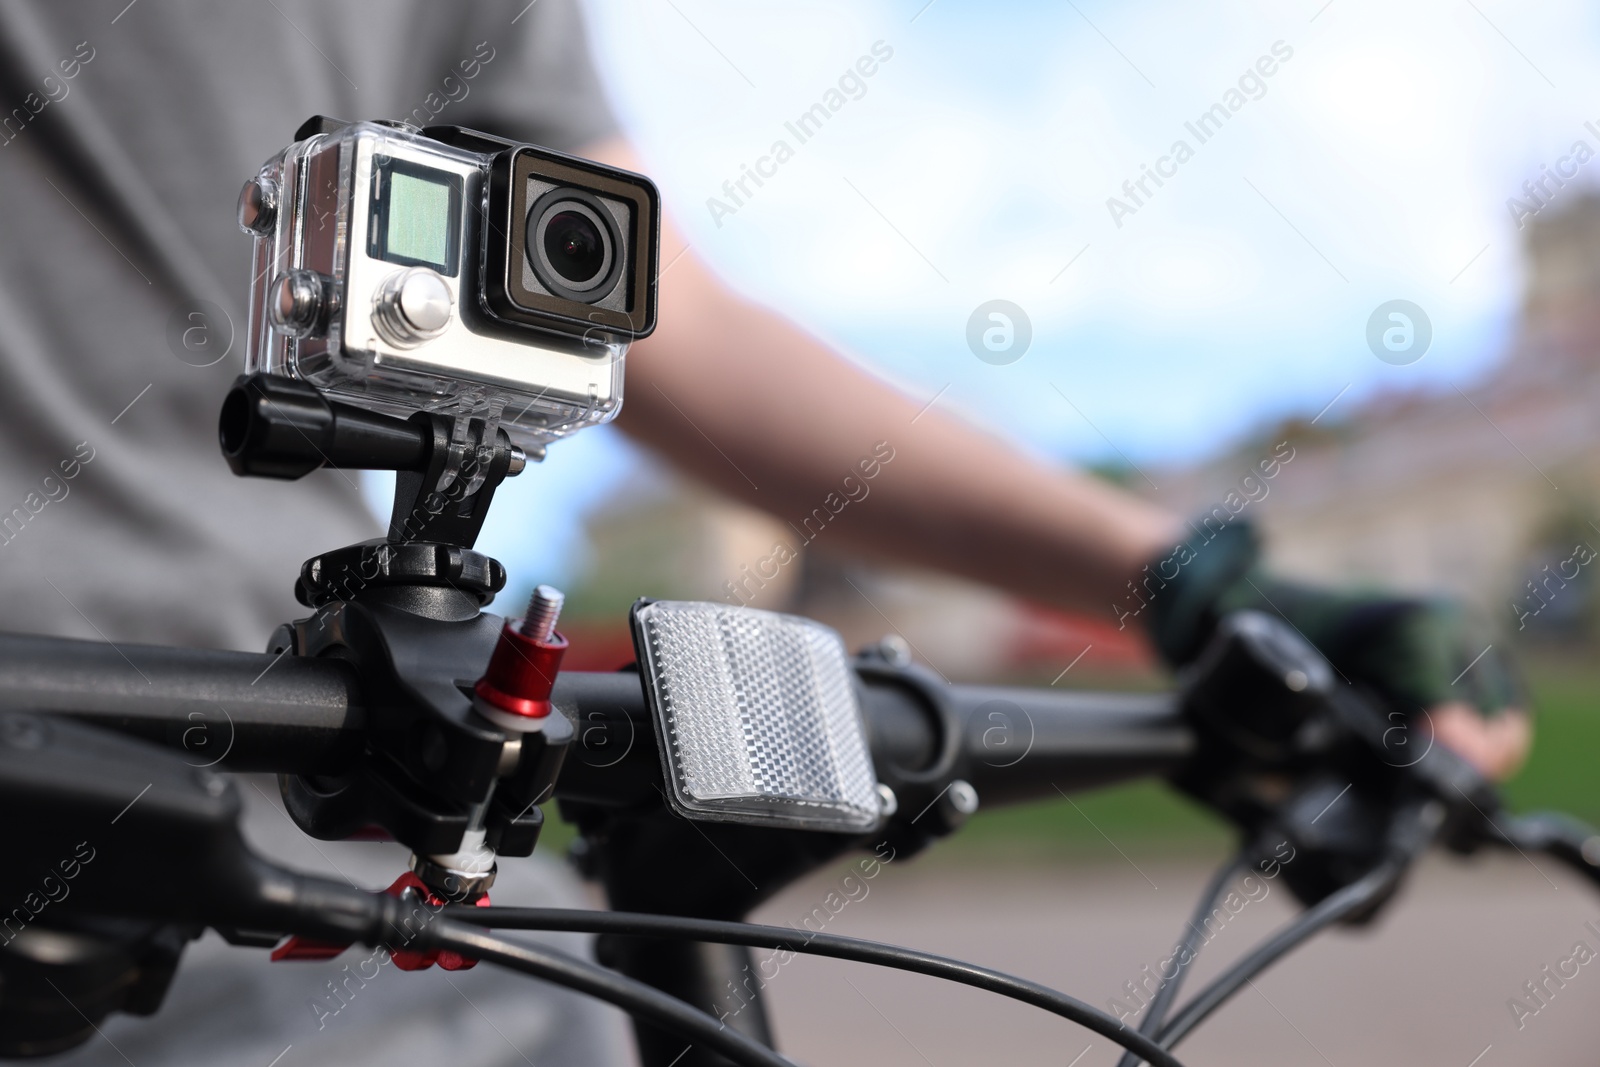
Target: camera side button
x=298 y=303
x=412 y=306
x=258 y=206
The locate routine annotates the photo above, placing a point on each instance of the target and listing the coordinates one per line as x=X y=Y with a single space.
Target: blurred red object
x=597 y=645
x=1046 y=638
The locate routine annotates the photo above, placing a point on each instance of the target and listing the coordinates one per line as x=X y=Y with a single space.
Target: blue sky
x=976 y=163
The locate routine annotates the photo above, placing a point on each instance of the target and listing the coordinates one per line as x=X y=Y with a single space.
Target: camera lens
x=573 y=245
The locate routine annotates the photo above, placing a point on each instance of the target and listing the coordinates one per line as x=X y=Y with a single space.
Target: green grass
x=1560 y=774
x=1143 y=817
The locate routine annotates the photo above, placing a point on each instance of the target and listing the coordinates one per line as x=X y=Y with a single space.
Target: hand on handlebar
x=1424 y=657
x=1496 y=746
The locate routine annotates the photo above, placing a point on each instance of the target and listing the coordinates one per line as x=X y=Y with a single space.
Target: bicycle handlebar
x=298 y=715
x=269 y=713
x=1064 y=739
x=309 y=716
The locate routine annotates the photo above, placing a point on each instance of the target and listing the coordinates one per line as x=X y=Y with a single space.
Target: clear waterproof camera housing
x=450 y=272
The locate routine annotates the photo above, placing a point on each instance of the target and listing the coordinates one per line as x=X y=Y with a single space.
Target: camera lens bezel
x=512 y=291
x=544 y=209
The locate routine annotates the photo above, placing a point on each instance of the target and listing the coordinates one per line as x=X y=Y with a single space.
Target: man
x=128 y=130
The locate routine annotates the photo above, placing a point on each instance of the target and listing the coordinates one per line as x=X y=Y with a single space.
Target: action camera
x=442 y=270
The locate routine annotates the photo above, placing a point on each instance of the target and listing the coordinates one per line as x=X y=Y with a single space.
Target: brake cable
x=818 y=944
x=631 y=995
x=1188 y=950
x=1350 y=899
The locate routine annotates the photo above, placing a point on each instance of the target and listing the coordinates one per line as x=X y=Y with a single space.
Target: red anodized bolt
x=515 y=691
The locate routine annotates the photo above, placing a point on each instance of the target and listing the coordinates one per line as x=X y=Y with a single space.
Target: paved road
x=1427 y=985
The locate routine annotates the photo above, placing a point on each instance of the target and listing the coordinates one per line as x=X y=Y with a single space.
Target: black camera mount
x=448 y=468
x=406 y=610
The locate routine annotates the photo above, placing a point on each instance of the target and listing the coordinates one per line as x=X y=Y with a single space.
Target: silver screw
x=1591 y=851
x=895 y=650
x=543 y=610
x=963 y=798
x=888 y=803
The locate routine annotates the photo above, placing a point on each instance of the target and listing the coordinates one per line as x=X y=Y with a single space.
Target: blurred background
x=1180 y=329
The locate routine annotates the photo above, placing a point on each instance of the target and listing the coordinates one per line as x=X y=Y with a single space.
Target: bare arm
x=749 y=403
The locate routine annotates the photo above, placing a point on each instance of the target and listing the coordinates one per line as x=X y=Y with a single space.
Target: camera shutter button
x=412 y=306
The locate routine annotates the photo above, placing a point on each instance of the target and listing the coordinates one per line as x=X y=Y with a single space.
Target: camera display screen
x=419 y=219
x=416 y=215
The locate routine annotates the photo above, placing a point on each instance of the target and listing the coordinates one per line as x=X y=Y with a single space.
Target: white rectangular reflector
x=757 y=716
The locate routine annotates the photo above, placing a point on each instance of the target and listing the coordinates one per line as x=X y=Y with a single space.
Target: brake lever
x=1476 y=810
x=163 y=835
x=1561 y=837
x=1269 y=695
x=133 y=852
x=1290 y=747
x=1473 y=801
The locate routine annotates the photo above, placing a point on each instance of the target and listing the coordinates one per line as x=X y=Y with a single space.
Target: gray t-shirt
x=127 y=131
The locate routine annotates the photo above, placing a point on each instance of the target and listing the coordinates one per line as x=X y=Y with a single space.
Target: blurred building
x=1475 y=491
x=665 y=538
